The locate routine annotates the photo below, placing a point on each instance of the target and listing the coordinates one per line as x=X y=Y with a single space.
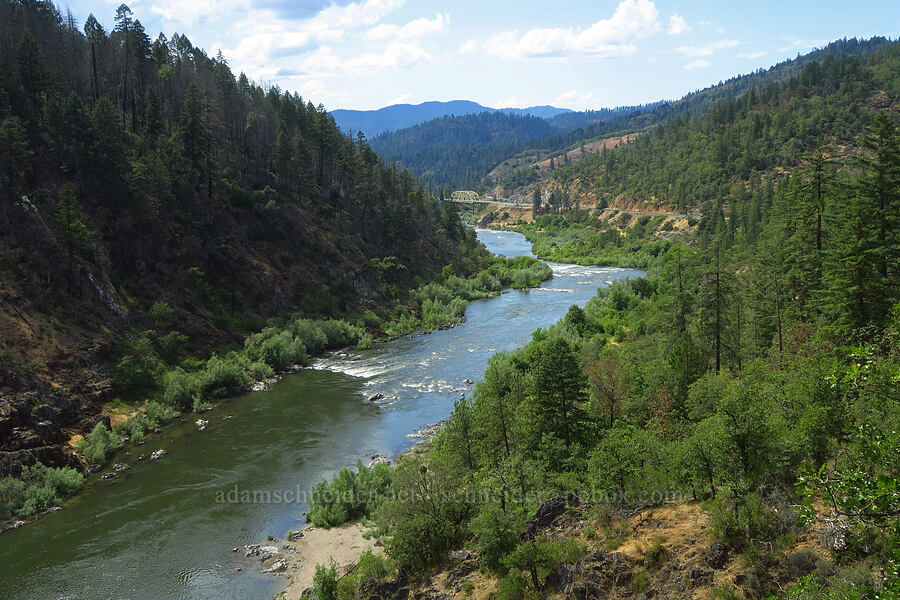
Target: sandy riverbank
x=344 y=544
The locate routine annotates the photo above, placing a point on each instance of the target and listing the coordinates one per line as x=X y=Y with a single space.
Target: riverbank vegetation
x=38 y=489
x=585 y=238
x=152 y=366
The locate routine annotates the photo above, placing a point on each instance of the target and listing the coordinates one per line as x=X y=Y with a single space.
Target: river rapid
x=165 y=529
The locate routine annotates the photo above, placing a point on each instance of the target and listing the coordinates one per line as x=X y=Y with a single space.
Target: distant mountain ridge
x=401 y=116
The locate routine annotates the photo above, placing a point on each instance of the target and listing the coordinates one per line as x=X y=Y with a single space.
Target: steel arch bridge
x=465 y=196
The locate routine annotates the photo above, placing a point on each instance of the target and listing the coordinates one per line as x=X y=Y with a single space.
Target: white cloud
x=608 y=37
x=412 y=30
x=707 y=50
x=514 y=102
x=697 y=64
x=677 y=25
x=401 y=99
x=753 y=55
x=575 y=99
x=396 y=55
x=189 y=13
x=266 y=38
x=468 y=47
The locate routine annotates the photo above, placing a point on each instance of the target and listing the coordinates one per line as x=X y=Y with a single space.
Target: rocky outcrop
x=32 y=428
x=548 y=513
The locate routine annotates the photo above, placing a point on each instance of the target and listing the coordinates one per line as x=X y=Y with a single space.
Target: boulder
x=549 y=512
x=716 y=555
x=157 y=454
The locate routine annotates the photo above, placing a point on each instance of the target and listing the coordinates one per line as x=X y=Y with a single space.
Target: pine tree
x=558 y=387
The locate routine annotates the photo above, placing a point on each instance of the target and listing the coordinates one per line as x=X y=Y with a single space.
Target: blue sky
x=573 y=53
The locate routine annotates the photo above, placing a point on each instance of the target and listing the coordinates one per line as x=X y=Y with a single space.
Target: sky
x=579 y=54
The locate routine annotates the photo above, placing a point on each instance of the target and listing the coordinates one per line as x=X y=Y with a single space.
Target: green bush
x=96 y=445
x=158 y=413
x=40 y=488
x=349 y=495
x=277 y=348
x=134 y=426
x=180 y=388
x=495 y=533
x=537 y=559
x=325 y=582
x=223 y=376
x=310 y=335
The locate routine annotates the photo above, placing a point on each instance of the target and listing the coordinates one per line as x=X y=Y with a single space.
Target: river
x=162 y=531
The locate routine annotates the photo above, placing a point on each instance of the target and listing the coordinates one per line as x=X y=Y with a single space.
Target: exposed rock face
x=549 y=512
x=716 y=555
x=31 y=429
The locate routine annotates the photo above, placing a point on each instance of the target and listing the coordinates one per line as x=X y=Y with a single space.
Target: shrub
x=260 y=371
x=134 y=426
x=96 y=445
x=278 y=349
x=349 y=495
x=365 y=342
x=325 y=582
x=512 y=587
x=180 y=388
x=40 y=488
x=223 y=376
x=740 y=518
x=495 y=533
x=134 y=374
x=655 y=554
x=200 y=406
x=158 y=413
x=310 y=334
x=539 y=558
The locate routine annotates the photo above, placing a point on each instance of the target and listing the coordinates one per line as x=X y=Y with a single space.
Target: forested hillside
x=460 y=150
x=155 y=205
x=447 y=158
x=749 y=382
x=690 y=162
x=400 y=116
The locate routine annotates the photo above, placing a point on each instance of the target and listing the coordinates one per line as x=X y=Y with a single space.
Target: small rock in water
x=378 y=459
x=119 y=467
x=108 y=476
x=376 y=397
x=467 y=381
x=157 y=454
x=278 y=566
x=201 y=424
x=257 y=386
x=260 y=551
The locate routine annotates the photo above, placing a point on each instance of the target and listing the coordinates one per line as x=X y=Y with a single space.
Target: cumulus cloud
x=633 y=19
x=706 y=50
x=412 y=30
x=396 y=55
x=468 y=47
x=697 y=64
x=575 y=99
x=265 y=36
x=189 y=13
x=677 y=25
